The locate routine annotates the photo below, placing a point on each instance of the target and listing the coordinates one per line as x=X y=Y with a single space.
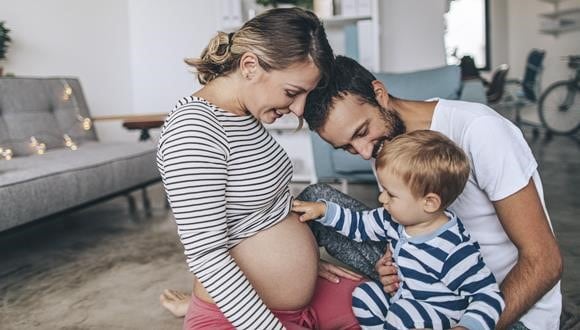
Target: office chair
x=529 y=88
x=496 y=87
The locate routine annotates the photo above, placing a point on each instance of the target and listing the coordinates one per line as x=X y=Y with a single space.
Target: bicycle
x=559 y=104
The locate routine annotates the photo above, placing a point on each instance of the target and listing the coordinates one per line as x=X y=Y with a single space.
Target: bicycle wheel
x=559 y=107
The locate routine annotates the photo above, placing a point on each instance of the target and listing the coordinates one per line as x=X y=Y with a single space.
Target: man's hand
x=309 y=210
x=388 y=272
x=333 y=273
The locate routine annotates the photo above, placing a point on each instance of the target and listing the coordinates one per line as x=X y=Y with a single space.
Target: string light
x=67 y=92
x=6 y=153
x=86 y=122
x=37 y=146
x=69 y=143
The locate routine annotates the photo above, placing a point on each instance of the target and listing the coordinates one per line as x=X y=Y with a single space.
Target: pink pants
x=330 y=308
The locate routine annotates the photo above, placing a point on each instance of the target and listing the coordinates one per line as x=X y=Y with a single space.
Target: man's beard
x=395 y=127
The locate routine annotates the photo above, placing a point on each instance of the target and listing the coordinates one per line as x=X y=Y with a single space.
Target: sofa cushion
x=30 y=189
x=69 y=109
x=443 y=82
x=4 y=138
x=36 y=107
x=27 y=112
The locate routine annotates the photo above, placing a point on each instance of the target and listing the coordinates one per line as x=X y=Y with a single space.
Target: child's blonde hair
x=428 y=162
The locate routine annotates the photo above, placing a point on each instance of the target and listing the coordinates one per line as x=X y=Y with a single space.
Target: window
x=467 y=32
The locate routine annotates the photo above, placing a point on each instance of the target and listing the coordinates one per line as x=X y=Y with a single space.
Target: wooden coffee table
x=141 y=122
x=144 y=126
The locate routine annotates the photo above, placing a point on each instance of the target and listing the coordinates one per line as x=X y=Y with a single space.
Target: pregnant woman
x=254 y=264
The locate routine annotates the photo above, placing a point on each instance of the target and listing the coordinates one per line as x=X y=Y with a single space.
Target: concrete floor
x=103 y=268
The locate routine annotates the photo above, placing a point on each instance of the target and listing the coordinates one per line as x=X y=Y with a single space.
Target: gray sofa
x=34 y=186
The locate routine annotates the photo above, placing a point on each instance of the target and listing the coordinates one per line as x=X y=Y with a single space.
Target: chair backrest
x=497 y=86
x=530 y=83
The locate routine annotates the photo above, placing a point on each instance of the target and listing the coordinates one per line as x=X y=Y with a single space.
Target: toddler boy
x=444 y=281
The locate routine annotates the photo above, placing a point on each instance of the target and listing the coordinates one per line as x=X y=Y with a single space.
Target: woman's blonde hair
x=279 y=38
x=428 y=162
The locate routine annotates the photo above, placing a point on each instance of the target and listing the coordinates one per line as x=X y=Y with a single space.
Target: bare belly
x=281 y=263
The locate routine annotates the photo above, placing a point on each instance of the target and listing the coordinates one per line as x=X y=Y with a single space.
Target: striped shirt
x=226 y=179
x=444 y=268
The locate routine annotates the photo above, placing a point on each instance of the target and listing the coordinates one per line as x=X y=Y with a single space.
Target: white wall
x=499 y=33
x=128 y=54
x=523 y=26
x=85 y=39
x=162 y=36
x=412 y=34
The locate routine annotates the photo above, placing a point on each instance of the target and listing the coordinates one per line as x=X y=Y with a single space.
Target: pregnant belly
x=280 y=262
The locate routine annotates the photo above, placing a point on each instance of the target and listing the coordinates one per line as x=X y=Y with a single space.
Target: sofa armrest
x=443 y=82
x=473 y=91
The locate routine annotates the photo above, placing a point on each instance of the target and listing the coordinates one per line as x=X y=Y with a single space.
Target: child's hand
x=309 y=210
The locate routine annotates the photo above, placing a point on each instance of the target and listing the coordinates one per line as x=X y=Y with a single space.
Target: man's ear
x=249 y=65
x=381 y=93
x=431 y=203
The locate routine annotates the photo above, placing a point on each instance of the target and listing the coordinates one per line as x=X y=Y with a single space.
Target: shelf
x=340 y=21
x=561 y=13
x=554 y=2
x=556 y=31
x=559 y=21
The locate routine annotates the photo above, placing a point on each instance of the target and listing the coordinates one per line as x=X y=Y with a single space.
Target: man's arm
x=539 y=264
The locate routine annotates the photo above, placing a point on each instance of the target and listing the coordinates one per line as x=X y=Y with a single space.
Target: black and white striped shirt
x=226 y=179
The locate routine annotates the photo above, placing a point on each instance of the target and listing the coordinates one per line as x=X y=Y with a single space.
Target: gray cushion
x=69 y=110
x=40 y=185
x=4 y=138
x=26 y=110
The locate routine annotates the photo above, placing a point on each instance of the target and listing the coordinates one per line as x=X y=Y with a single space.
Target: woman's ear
x=381 y=93
x=432 y=203
x=249 y=65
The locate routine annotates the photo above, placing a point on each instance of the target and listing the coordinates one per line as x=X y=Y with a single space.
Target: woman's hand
x=388 y=272
x=333 y=273
x=309 y=210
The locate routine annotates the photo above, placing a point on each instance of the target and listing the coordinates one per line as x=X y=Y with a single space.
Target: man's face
x=359 y=127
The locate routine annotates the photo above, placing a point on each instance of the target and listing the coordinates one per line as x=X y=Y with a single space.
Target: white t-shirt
x=501 y=164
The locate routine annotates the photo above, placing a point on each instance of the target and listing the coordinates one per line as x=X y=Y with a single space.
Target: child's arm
x=310 y=210
x=373 y=225
x=465 y=273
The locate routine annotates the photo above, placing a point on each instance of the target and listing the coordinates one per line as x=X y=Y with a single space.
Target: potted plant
x=4 y=41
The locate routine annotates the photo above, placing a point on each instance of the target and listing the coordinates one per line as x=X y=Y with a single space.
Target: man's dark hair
x=347 y=76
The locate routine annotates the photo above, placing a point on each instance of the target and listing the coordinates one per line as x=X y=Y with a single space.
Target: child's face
x=399 y=201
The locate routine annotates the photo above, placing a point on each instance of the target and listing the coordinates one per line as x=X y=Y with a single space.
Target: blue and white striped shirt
x=444 y=268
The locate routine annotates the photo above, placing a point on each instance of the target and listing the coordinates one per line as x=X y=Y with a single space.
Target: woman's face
x=276 y=93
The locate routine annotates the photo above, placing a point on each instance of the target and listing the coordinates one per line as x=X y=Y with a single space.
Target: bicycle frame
x=560 y=116
x=574 y=62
